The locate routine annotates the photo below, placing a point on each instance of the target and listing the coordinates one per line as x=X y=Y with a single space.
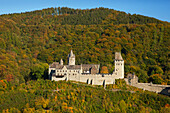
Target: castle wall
x=97 y=79
x=58 y=79
x=152 y=87
x=94 y=79
x=163 y=89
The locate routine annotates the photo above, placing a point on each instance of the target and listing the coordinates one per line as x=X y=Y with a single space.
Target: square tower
x=119 y=65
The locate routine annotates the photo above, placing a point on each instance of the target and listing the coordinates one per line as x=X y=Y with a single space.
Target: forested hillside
x=30 y=41
x=45 y=96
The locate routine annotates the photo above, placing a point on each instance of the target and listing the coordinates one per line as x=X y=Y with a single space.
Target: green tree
x=156 y=79
x=39 y=71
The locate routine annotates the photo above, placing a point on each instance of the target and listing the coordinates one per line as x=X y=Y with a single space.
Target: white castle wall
x=94 y=79
x=58 y=79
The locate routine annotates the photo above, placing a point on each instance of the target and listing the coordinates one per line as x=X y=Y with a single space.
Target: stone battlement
x=162 y=89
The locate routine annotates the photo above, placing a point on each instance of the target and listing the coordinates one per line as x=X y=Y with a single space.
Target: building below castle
x=88 y=73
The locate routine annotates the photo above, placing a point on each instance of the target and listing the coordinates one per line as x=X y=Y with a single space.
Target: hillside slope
x=50 y=96
x=32 y=40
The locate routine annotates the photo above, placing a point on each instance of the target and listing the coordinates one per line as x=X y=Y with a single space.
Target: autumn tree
x=104 y=70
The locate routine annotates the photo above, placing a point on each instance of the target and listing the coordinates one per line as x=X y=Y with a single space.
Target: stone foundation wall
x=162 y=89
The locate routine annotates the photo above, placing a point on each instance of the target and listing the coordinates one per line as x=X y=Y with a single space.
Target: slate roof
x=88 y=66
x=118 y=56
x=53 y=65
x=73 y=66
x=58 y=66
x=84 y=66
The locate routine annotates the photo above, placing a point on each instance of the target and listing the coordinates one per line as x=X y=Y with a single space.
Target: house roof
x=88 y=66
x=73 y=66
x=53 y=65
x=59 y=66
x=84 y=66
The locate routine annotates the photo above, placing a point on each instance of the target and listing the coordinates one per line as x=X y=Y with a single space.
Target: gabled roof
x=59 y=66
x=73 y=66
x=53 y=65
x=88 y=66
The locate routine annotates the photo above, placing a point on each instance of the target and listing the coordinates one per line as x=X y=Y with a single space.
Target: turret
x=119 y=65
x=71 y=58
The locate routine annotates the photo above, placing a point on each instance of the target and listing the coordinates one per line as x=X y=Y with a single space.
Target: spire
x=71 y=58
x=61 y=62
x=71 y=53
x=118 y=56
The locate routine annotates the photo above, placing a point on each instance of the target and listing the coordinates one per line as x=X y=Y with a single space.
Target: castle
x=88 y=73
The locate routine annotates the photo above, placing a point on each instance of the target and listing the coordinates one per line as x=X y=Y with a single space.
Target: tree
x=156 y=79
x=39 y=70
x=104 y=70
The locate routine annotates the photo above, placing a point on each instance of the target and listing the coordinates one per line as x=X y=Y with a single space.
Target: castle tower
x=71 y=58
x=119 y=65
x=61 y=62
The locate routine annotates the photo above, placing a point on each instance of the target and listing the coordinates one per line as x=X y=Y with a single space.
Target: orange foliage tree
x=104 y=70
